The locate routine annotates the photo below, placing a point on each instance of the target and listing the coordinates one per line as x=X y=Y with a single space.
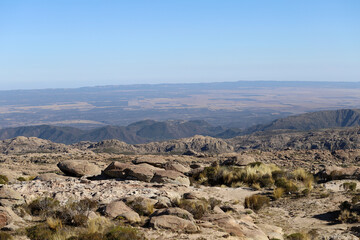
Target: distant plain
x=230 y=104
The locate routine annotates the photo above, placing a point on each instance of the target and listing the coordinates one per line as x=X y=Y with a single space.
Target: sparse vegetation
x=5 y=236
x=3 y=179
x=23 y=179
x=298 y=236
x=142 y=206
x=256 y=202
x=278 y=193
x=257 y=175
x=197 y=207
x=349 y=186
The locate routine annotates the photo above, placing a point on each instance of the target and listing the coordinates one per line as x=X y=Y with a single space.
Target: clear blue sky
x=72 y=43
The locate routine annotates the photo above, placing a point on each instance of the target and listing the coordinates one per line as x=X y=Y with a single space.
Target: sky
x=75 y=43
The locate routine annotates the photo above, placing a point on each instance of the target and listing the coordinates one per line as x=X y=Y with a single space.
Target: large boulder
x=335 y=172
x=240 y=228
x=232 y=159
x=79 y=168
x=142 y=172
x=176 y=167
x=273 y=232
x=152 y=160
x=142 y=205
x=119 y=208
x=179 y=212
x=169 y=176
x=116 y=170
x=226 y=222
x=173 y=223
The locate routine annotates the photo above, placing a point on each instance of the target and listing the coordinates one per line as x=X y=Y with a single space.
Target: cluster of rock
x=146 y=169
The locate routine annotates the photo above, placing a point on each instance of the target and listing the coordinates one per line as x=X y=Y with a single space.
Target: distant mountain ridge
x=149 y=130
x=135 y=133
x=312 y=121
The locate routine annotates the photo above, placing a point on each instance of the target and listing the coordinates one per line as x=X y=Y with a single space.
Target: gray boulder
x=119 y=208
x=78 y=168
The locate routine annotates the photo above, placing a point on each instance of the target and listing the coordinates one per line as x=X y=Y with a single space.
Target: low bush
x=256 y=202
x=288 y=185
x=278 y=193
x=3 y=179
x=298 y=236
x=197 y=207
x=349 y=186
x=347 y=215
x=5 y=236
x=87 y=236
x=39 y=232
x=124 y=233
x=42 y=207
x=142 y=206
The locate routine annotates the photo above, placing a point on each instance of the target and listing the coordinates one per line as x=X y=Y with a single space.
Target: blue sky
x=73 y=43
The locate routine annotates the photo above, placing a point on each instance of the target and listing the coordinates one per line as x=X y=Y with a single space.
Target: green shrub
x=42 y=206
x=197 y=207
x=256 y=202
x=142 y=206
x=88 y=236
x=21 y=179
x=39 y=232
x=124 y=233
x=288 y=185
x=5 y=236
x=298 y=236
x=75 y=213
x=278 y=193
x=3 y=179
x=349 y=186
x=355 y=199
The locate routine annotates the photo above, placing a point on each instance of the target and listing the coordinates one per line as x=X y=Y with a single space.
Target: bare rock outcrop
x=119 y=208
x=169 y=176
x=173 y=223
x=156 y=161
x=142 y=172
x=22 y=145
x=8 y=196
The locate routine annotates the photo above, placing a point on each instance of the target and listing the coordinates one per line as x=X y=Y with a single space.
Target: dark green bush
x=88 y=236
x=349 y=186
x=124 y=233
x=288 y=185
x=3 y=179
x=39 y=232
x=197 y=207
x=5 y=236
x=297 y=236
x=42 y=206
x=256 y=202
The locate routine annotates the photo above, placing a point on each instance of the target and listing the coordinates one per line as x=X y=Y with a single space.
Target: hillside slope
x=313 y=120
x=136 y=133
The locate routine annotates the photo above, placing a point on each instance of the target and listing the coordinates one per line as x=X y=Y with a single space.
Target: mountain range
x=150 y=130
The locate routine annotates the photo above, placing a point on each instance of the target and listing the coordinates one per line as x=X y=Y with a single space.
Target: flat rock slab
x=156 y=161
x=173 y=223
x=169 y=176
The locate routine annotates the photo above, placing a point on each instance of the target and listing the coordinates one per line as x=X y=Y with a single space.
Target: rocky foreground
x=55 y=191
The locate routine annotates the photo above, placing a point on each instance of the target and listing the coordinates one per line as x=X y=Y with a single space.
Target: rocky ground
x=157 y=194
